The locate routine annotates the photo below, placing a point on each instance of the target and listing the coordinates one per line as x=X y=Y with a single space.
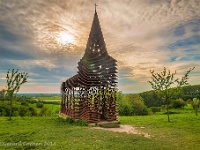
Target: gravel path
x=127 y=129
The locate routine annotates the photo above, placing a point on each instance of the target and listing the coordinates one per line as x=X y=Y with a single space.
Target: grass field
x=47 y=98
x=182 y=133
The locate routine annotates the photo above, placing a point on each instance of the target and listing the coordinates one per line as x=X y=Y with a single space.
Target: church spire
x=97 y=68
x=96 y=43
x=95 y=7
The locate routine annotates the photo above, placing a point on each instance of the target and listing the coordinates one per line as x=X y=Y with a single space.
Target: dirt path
x=127 y=129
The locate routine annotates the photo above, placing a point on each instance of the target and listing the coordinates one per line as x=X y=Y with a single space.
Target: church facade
x=91 y=94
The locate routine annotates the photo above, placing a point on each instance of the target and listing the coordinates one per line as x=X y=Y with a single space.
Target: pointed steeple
x=96 y=43
x=97 y=68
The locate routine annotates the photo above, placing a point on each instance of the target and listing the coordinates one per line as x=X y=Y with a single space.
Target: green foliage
x=32 y=111
x=14 y=81
x=151 y=98
x=155 y=109
x=187 y=93
x=23 y=110
x=132 y=104
x=69 y=120
x=196 y=104
x=44 y=111
x=125 y=110
x=179 y=103
x=2 y=94
x=162 y=83
x=4 y=108
x=18 y=109
x=39 y=105
x=81 y=123
x=182 y=133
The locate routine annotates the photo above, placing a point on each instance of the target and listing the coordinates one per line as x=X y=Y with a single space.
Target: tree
x=162 y=83
x=14 y=81
x=196 y=104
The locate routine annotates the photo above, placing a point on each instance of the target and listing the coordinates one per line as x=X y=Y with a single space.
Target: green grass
x=182 y=133
x=48 y=98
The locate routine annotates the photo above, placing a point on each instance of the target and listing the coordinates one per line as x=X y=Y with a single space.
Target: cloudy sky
x=47 y=38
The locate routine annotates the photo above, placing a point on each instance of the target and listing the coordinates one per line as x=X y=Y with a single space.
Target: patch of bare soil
x=127 y=129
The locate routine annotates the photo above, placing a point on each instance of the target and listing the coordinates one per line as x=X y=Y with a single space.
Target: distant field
x=47 y=98
x=182 y=133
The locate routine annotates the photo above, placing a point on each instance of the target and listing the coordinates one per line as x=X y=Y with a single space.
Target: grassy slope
x=182 y=133
x=42 y=130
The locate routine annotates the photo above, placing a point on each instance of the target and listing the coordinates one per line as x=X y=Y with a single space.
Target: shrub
x=32 y=111
x=15 y=113
x=124 y=110
x=4 y=108
x=23 y=110
x=155 y=109
x=45 y=111
x=2 y=112
x=139 y=109
x=179 y=103
x=132 y=104
x=39 y=105
x=69 y=120
x=81 y=123
x=137 y=105
x=24 y=103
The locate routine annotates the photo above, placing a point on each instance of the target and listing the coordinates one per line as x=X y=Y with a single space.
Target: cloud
x=140 y=34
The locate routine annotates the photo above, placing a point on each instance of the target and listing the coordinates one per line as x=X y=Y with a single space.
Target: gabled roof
x=96 y=68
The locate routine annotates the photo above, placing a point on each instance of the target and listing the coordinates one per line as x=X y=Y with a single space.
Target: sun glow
x=65 y=38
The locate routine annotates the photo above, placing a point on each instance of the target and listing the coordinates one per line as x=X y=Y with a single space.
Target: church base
x=101 y=123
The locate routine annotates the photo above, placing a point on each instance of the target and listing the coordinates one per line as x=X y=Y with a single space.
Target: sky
x=47 y=38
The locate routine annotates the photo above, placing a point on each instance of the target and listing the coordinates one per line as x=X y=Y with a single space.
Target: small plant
x=81 y=123
x=69 y=120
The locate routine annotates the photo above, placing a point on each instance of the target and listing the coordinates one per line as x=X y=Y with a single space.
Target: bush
x=15 y=113
x=137 y=105
x=45 y=111
x=81 y=123
x=155 y=109
x=23 y=110
x=69 y=120
x=32 y=111
x=132 y=104
x=39 y=105
x=24 y=103
x=4 y=108
x=179 y=103
x=139 y=109
x=124 y=110
x=2 y=112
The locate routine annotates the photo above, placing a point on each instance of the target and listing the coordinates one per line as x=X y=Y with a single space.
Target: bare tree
x=14 y=81
x=162 y=83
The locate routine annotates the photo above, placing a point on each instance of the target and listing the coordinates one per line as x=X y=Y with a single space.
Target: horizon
x=47 y=39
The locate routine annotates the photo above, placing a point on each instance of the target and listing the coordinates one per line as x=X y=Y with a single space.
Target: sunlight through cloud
x=65 y=38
